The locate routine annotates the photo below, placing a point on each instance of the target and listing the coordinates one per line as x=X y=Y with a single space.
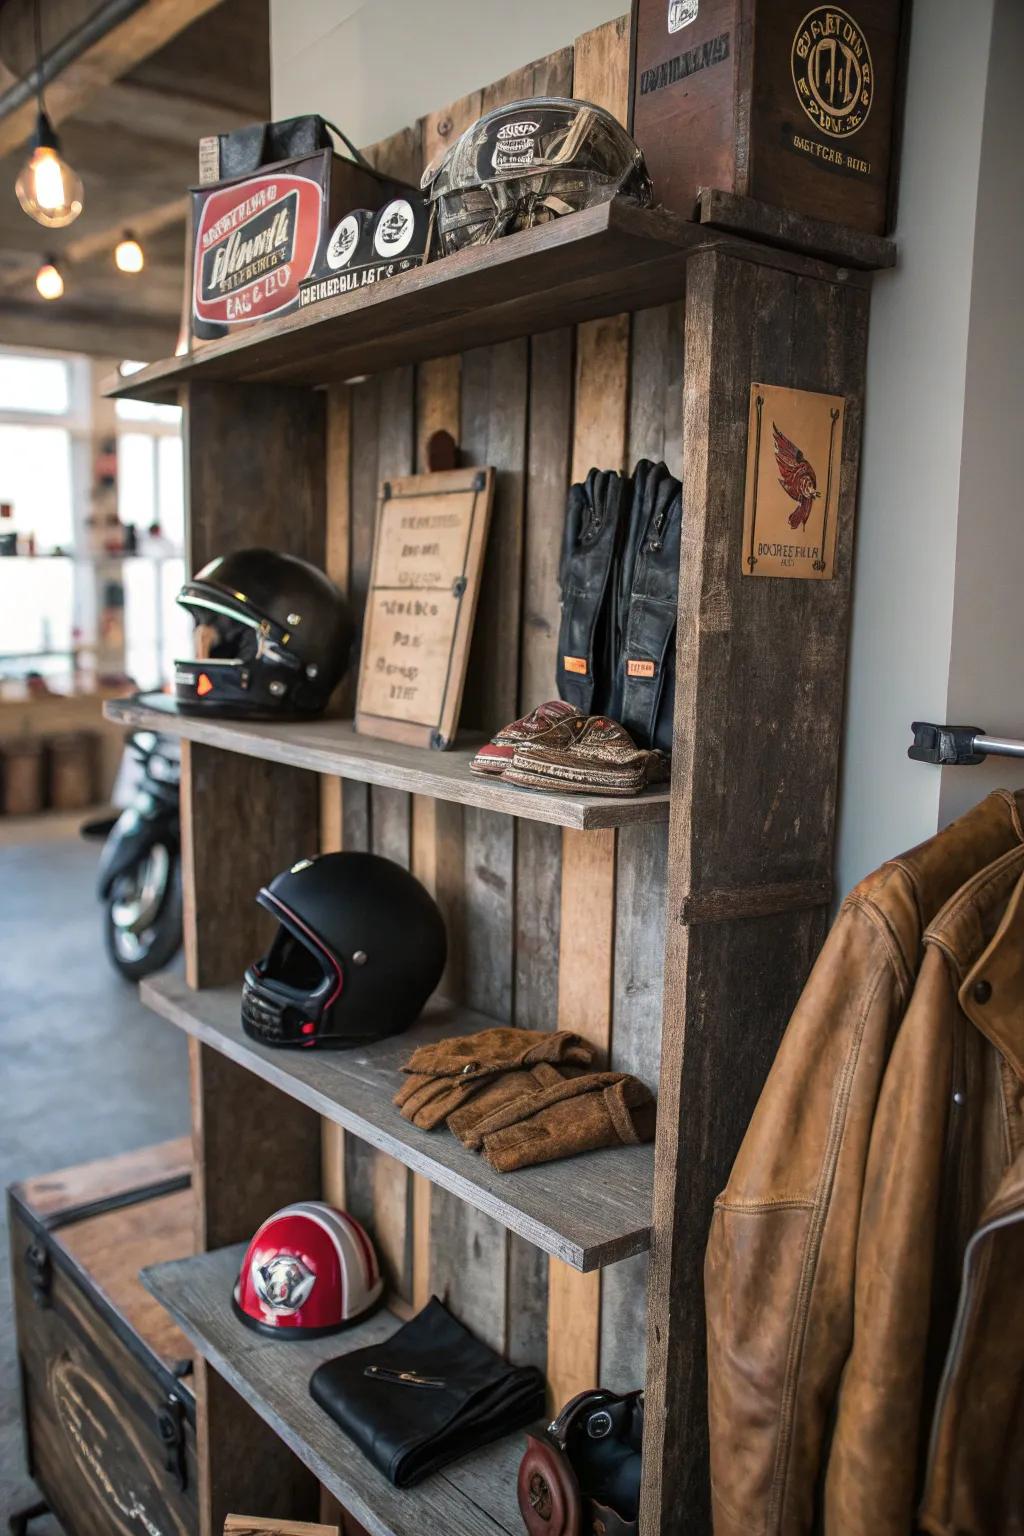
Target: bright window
x=149 y=483
x=157 y=630
x=29 y=383
x=142 y=410
x=51 y=468
x=36 y=616
x=35 y=483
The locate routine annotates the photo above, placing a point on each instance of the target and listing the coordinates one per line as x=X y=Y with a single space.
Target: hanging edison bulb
x=49 y=283
x=128 y=255
x=47 y=188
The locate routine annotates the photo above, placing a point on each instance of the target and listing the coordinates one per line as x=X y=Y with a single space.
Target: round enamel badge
x=832 y=71
x=395 y=229
x=343 y=242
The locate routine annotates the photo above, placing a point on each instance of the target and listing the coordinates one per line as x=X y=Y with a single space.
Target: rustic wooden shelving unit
x=332 y=746
x=588 y=1212
x=476 y=1497
x=678 y=945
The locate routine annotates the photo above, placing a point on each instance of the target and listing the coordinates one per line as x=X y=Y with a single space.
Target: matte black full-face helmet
x=275 y=636
x=528 y=162
x=359 y=948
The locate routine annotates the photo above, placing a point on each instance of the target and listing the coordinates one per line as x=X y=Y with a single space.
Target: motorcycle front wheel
x=142 y=919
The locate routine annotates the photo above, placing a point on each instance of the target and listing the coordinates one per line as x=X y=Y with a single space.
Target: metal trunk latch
x=40 y=1269
x=170 y=1425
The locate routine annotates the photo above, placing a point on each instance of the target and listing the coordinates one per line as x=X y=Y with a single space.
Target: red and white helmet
x=309 y=1270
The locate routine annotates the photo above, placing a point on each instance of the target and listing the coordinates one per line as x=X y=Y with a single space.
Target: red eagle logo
x=796 y=476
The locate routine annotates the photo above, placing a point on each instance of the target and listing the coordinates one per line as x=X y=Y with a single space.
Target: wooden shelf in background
x=333 y=746
x=475 y=1497
x=601 y=261
x=588 y=1211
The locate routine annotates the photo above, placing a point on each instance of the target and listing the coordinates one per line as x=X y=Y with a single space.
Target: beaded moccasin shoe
x=597 y=757
x=493 y=759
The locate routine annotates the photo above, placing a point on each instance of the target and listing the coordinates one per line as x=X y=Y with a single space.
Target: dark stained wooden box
x=108 y=1412
x=789 y=103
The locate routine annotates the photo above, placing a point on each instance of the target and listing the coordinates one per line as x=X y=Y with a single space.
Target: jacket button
x=981 y=991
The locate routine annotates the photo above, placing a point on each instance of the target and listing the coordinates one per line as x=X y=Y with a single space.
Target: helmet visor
x=288 y=992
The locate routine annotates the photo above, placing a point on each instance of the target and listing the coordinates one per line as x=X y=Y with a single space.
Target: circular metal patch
x=343 y=242
x=395 y=228
x=833 y=75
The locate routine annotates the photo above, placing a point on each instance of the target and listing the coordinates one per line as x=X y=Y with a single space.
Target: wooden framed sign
x=427 y=557
x=794 y=460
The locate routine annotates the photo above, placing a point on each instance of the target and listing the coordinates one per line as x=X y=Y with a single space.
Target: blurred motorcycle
x=139 y=879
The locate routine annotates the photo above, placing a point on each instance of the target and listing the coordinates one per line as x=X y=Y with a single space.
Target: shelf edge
x=578 y=1256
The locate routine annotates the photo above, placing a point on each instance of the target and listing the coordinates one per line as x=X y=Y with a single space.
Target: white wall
x=986 y=674
x=372 y=66
x=910 y=484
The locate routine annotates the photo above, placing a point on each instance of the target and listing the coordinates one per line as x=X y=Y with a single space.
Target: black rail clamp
x=948 y=745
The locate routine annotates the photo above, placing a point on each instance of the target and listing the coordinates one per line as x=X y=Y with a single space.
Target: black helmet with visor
x=360 y=946
x=274 y=636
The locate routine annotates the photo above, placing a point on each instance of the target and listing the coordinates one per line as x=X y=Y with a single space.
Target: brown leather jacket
x=889 y=1121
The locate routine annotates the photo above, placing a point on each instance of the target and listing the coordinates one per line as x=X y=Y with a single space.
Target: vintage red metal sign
x=255 y=242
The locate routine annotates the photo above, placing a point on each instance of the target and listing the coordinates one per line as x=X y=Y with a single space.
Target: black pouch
x=243 y=151
x=643 y=697
x=426 y=1396
x=588 y=633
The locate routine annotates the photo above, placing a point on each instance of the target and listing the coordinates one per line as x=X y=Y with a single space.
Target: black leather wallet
x=428 y=1395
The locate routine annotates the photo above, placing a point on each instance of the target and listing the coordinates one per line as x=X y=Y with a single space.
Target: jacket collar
x=981 y=931
x=908 y=892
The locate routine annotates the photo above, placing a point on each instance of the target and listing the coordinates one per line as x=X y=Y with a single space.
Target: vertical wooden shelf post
x=761 y=667
x=255 y=475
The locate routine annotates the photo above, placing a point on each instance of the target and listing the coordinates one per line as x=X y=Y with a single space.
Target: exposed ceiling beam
x=143 y=31
x=98 y=335
x=100 y=240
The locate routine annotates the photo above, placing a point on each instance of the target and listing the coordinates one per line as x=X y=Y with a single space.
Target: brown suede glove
x=497 y=1050
x=599 y=1109
x=442 y=1076
x=525 y=1084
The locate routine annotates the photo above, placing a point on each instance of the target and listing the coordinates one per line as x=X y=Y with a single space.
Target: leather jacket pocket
x=752 y=1292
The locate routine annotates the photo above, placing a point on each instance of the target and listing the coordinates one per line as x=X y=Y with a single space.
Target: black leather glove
x=588 y=639
x=643 y=696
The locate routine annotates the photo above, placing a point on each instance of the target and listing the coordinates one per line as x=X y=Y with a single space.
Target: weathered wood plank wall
x=540 y=411
x=543 y=411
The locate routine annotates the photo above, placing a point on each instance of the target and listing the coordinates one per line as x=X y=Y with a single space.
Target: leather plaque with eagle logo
x=794 y=465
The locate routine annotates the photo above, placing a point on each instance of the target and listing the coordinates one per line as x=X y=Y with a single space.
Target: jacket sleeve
x=780 y=1260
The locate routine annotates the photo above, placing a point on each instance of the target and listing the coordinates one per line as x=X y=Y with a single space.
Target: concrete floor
x=85 y=1071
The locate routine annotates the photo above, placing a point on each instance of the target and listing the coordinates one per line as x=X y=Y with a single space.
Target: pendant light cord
x=38 y=17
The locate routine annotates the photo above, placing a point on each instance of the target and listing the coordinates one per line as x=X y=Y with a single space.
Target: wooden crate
x=108 y=1409
x=52 y=714
x=792 y=104
x=71 y=763
x=21 y=775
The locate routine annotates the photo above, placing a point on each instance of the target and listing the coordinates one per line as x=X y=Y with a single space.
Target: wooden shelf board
x=475 y=1497
x=588 y=1211
x=333 y=746
x=849 y=248
x=601 y=261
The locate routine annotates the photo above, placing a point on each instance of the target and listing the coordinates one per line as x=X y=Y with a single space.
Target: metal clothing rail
x=959 y=745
